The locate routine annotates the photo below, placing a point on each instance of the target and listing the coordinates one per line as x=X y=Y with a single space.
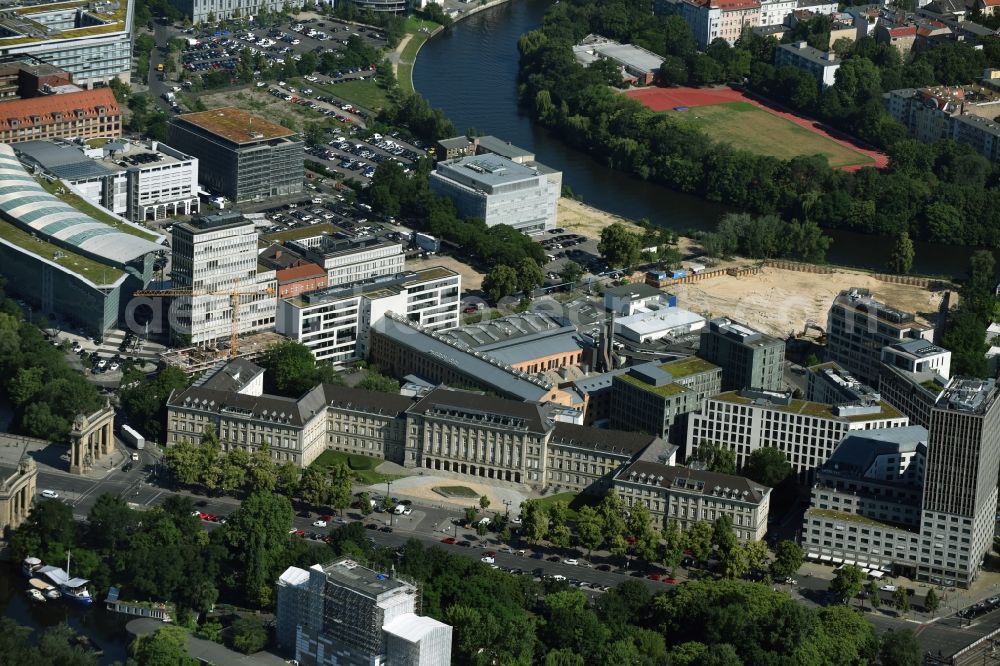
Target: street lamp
x=388 y=496
x=507 y=504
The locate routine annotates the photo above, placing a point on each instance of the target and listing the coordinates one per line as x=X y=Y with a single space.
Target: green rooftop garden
x=665 y=390
x=432 y=273
x=86 y=267
x=87 y=208
x=817 y=409
x=932 y=386
x=852 y=517
x=685 y=367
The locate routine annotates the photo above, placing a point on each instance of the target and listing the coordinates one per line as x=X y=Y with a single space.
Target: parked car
x=50 y=494
x=319 y=523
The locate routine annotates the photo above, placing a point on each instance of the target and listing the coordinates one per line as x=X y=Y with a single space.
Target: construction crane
x=235 y=297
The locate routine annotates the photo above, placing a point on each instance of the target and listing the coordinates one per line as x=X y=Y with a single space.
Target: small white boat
x=36 y=595
x=44 y=588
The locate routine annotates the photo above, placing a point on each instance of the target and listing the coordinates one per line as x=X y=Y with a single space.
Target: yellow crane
x=235 y=297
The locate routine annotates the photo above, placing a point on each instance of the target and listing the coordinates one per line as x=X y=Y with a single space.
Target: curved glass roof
x=23 y=200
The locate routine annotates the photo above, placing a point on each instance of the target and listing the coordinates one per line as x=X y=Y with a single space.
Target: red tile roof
x=23 y=110
x=296 y=273
x=903 y=31
x=991 y=3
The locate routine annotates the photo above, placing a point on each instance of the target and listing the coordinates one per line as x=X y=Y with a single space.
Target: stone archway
x=91 y=439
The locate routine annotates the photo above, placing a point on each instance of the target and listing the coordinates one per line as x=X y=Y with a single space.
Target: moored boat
x=36 y=595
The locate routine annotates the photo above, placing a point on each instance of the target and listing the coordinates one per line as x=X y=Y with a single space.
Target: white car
x=487 y=560
x=319 y=523
x=558 y=577
x=261 y=84
x=51 y=494
x=114 y=366
x=407 y=511
x=572 y=561
x=888 y=588
x=102 y=364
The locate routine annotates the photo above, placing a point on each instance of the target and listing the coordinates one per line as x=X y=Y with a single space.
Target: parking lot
x=562 y=247
x=357 y=157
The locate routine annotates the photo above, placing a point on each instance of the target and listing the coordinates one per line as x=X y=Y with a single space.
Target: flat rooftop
x=362 y=580
x=207 y=223
x=236 y=125
x=302 y=233
x=486 y=169
x=809 y=408
x=37 y=22
x=68 y=161
x=918 y=348
x=968 y=395
x=379 y=287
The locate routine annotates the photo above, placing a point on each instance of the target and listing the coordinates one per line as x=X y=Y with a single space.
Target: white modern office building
x=216 y=257
x=351 y=260
x=806 y=432
x=90 y=40
x=139 y=181
x=495 y=189
x=344 y=614
x=335 y=323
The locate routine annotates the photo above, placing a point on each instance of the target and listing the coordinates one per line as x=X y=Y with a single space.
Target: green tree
x=787 y=560
x=716 y=457
x=900 y=648
x=673 y=549
x=734 y=562
x=249 y=635
x=166 y=647
x=534 y=521
x=901 y=257
x=756 y=555
x=376 y=381
x=234 y=469
x=290 y=369
x=768 y=466
x=901 y=598
x=500 y=282
x=571 y=272
x=365 y=501
x=612 y=515
x=470 y=514
x=723 y=538
x=619 y=246
x=698 y=539
x=257 y=532
x=314 y=486
x=484 y=502
x=931 y=601
x=847 y=582
x=874 y=594
x=183 y=461
x=529 y=276
x=589 y=529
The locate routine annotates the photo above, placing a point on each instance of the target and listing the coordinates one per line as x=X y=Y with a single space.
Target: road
x=430 y=525
x=162 y=32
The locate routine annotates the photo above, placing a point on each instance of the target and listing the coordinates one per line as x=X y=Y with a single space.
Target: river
x=470 y=71
x=106 y=630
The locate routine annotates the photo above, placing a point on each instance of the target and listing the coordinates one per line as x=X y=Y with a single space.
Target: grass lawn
x=367 y=93
x=362 y=467
x=574 y=500
x=747 y=127
x=404 y=71
x=456 y=491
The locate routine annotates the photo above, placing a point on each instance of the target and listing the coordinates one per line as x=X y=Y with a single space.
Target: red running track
x=663 y=99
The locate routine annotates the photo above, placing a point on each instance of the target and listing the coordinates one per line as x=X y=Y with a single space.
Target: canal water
x=470 y=71
x=105 y=630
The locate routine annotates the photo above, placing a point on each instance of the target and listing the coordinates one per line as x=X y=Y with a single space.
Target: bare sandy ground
x=780 y=301
x=586 y=220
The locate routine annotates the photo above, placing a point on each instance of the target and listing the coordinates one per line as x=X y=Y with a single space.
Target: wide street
x=431 y=524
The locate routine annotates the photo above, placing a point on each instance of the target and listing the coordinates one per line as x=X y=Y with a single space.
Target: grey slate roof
x=371 y=401
x=694 y=480
x=444 y=399
x=229 y=375
x=859 y=449
x=277 y=409
x=611 y=441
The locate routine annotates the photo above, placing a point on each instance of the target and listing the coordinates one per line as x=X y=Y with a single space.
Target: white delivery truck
x=133 y=437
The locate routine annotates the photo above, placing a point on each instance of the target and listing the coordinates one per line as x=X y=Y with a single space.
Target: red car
x=668 y=580
x=298 y=533
x=449 y=540
x=490 y=553
x=202 y=515
x=328 y=519
x=654 y=576
x=631 y=540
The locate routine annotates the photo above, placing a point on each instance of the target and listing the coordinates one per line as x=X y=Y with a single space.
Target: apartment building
x=139 y=181
x=714 y=19
x=929 y=113
x=243 y=157
x=748 y=358
x=822 y=65
x=981 y=134
x=344 y=614
x=84 y=114
x=335 y=323
x=208 y=11
x=687 y=496
x=806 y=432
x=774 y=12
x=216 y=256
x=859 y=326
x=657 y=398
x=92 y=41
x=495 y=189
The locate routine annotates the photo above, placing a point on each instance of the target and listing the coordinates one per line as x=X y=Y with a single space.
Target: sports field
x=729 y=116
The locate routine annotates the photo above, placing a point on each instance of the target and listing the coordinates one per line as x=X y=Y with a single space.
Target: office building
x=18 y=484
x=629 y=299
x=806 y=432
x=63 y=256
x=207 y=11
x=823 y=65
x=442 y=429
x=292 y=272
x=687 y=496
x=344 y=614
x=918 y=356
x=865 y=505
x=913 y=392
x=216 y=257
x=637 y=65
x=141 y=182
x=495 y=189
x=335 y=323
x=78 y=114
x=748 y=358
x=242 y=157
x=348 y=260
x=657 y=397
x=858 y=327
x=531 y=342
x=464 y=146
x=830 y=384
x=960 y=483
x=92 y=41
x=400 y=348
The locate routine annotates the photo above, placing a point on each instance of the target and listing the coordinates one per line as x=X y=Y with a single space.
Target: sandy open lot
x=586 y=220
x=780 y=301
